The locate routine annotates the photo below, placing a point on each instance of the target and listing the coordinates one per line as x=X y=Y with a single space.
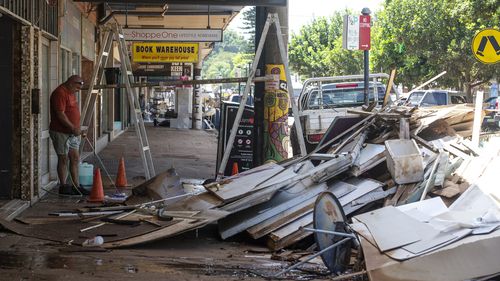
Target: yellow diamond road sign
x=486 y=45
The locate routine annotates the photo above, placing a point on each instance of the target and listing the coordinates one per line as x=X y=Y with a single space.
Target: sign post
x=356 y=36
x=364 y=44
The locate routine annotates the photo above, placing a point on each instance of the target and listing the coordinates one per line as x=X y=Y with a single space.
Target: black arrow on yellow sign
x=484 y=41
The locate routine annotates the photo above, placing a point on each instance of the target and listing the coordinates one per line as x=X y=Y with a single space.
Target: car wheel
x=295 y=142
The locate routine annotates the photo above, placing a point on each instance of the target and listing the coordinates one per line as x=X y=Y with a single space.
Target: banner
x=276 y=134
x=165 y=52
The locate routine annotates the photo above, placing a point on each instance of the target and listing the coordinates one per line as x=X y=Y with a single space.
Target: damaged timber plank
x=270 y=187
x=275 y=222
x=283 y=201
x=13 y=208
x=290 y=233
x=200 y=202
x=180 y=227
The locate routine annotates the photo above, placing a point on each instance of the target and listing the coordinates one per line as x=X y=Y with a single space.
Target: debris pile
x=385 y=159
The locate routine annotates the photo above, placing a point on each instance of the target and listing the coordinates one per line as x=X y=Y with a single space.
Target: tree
x=249 y=28
x=227 y=57
x=423 y=38
x=317 y=49
x=232 y=42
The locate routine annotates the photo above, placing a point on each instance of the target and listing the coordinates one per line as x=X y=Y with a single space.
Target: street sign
x=162 y=52
x=364 y=32
x=485 y=46
x=350 y=38
x=356 y=34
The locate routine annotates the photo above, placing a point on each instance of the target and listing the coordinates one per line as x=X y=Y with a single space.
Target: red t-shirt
x=63 y=100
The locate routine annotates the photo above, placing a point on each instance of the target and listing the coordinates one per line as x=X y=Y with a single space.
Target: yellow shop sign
x=164 y=52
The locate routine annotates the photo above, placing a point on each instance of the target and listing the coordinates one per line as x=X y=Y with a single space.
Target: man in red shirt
x=65 y=133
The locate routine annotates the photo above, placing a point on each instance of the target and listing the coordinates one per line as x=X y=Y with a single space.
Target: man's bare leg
x=74 y=157
x=62 y=166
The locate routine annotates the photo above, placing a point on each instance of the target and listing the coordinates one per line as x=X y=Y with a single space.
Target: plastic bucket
x=86 y=174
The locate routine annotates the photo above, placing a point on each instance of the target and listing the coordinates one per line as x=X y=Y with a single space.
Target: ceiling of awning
x=192 y=14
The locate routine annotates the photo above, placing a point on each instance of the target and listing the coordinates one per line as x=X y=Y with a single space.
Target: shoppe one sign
x=164 y=52
x=172 y=35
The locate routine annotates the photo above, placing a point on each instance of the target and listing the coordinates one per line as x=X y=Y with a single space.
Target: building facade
x=43 y=43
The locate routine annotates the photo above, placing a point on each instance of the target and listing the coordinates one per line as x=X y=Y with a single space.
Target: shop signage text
x=164 y=52
x=173 y=35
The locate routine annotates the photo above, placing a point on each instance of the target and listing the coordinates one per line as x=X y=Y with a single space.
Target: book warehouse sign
x=164 y=52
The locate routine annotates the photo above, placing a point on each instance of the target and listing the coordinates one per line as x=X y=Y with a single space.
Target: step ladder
x=115 y=32
x=272 y=19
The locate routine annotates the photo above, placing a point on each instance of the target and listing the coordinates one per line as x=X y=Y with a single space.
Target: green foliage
x=228 y=58
x=423 y=38
x=232 y=42
x=317 y=49
x=249 y=27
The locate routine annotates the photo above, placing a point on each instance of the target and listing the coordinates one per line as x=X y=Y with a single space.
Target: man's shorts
x=64 y=142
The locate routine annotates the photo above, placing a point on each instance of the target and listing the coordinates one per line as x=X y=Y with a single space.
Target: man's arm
x=65 y=121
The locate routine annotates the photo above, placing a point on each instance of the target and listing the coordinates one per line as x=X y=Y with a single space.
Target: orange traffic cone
x=121 y=178
x=234 y=171
x=97 y=193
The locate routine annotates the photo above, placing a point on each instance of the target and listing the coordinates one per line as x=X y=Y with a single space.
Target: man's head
x=74 y=83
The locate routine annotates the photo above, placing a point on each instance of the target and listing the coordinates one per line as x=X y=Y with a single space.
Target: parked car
x=427 y=98
x=319 y=108
x=237 y=98
x=491 y=103
x=492 y=118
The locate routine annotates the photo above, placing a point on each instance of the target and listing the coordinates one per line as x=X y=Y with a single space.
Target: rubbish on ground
x=379 y=181
x=96 y=241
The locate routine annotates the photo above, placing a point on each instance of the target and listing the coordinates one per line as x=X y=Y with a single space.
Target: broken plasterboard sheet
x=358 y=203
x=370 y=156
x=392 y=228
x=430 y=243
x=363 y=186
x=486 y=183
x=265 y=193
x=468 y=258
x=237 y=186
x=431 y=207
x=341 y=188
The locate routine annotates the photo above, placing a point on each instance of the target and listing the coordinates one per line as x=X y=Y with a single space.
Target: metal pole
x=366 y=58
x=313 y=256
x=329 y=232
x=367 y=74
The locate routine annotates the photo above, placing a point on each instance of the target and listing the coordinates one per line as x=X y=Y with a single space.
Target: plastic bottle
x=96 y=241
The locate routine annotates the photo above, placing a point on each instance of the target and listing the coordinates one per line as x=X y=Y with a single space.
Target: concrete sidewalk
x=192 y=153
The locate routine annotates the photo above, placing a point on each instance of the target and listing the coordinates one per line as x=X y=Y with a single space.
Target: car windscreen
x=237 y=99
x=414 y=98
x=342 y=97
x=434 y=98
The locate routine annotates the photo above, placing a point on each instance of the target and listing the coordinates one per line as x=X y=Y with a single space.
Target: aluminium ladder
x=272 y=19
x=132 y=94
